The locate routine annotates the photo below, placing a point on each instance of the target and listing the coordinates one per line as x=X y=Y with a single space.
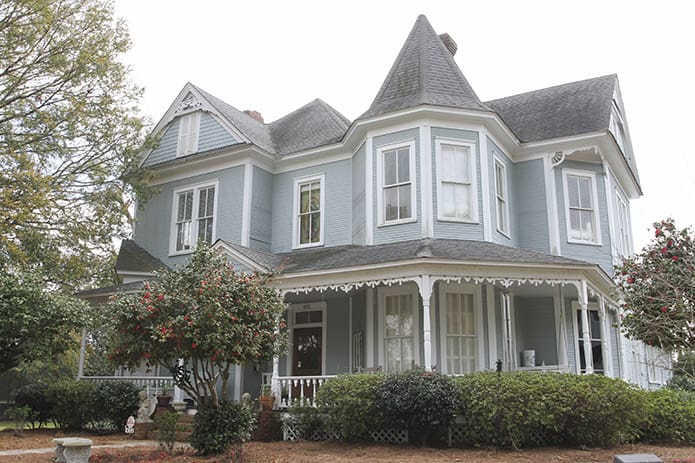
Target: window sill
x=586 y=243
x=181 y=253
x=397 y=222
x=504 y=233
x=455 y=220
x=308 y=245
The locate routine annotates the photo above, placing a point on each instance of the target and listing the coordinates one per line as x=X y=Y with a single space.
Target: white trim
x=369 y=328
x=595 y=204
x=350 y=353
x=497 y=161
x=239 y=257
x=560 y=328
x=307 y=307
x=475 y=215
x=426 y=181
x=237 y=382
x=485 y=187
x=196 y=187
x=491 y=325
x=298 y=182
x=369 y=191
x=246 y=205
x=381 y=221
x=187 y=142
x=551 y=206
x=514 y=361
x=476 y=292
x=382 y=292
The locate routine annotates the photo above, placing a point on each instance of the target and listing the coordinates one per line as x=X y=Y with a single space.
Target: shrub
x=305 y=419
x=19 y=416
x=73 y=404
x=217 y=428
x=34 y=397
x=166 y=428
x=417 y=401
x=671 y=414
x=117 y=400
x=347 y=403
x=682 y=383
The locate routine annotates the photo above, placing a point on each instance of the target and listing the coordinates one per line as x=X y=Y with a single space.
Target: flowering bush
x=205 y=313
x=658 y=289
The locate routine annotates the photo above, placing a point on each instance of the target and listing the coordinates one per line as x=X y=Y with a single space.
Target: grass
x=10 y=425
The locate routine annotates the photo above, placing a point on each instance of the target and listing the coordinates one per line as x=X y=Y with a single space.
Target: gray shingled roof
x=314 y=124
x=132 y=257
x=424 y=73
x=337 y=257
x=109 y=290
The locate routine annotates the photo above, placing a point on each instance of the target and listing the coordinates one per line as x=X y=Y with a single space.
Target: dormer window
x=189 y=126
x=194 y=212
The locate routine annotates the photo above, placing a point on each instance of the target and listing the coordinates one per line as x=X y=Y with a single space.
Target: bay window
x=396 y=175
x=456 y=189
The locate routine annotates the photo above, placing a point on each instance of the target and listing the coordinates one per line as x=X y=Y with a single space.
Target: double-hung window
x=400 y=330
x=396 y=171
x=193 y=216
x=622 y=232
x=581 y=207
x=308 y=211
x=501 y=202
x=189 y=126
x=456 y=190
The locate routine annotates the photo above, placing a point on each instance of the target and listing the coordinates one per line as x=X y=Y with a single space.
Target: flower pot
x=267 y=402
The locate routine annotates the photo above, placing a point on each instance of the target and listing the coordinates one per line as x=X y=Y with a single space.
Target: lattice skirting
x=292 y=432
x=539 y=437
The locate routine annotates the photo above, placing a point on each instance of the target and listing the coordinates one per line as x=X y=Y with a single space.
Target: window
x=396 y=174
x=502 y=206
x=188 y=134
x=456 y=189
x=622 y=231
x=308 y=211
x=595 y=336
x=581 y=207
x=460 y=333
x=617 y=125
x=194 y=217
x=398 y=344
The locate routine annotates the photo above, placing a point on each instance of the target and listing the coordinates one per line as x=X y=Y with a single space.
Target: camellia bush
x=205 y=313
x=658 y=289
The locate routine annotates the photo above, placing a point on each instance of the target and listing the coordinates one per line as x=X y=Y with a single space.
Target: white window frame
x=309 y=307
x=195 y=188
x=475 y=213
x=591 y=307
x=594 y=200
x=617 y=125
x=622 y=224
x=298 y=182
x=398 y=291
x=381 y=221
x=506 y=231
x=476 y=292
x=188 y=141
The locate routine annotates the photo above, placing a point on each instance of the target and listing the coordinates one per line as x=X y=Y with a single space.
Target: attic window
x=189 y=126
x=617 y=125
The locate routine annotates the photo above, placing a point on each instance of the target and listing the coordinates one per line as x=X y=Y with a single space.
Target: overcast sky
x=277 y=56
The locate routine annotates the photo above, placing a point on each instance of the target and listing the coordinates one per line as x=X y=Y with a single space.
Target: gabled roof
x=133 y=258
x=424 y=73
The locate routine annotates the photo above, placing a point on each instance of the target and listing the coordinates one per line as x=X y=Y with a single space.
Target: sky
x=276 y=56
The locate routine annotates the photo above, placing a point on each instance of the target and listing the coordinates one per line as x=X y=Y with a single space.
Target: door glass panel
x=460 y=338
x=307 y=351
x=399 y=323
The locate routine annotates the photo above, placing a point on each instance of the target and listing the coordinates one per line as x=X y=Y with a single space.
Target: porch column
x=178 y=393
x=274 y=381
x=584 y=305
x=561 y=328
x=606 y=350
x=426 y=294
x=506 y=311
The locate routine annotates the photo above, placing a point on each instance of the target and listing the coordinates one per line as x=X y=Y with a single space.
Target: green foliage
x=658 y=289
x=34 y=397
x=219 y=427
x=70 y=133
x=117 y=401
x=347 y=403
x=205 y=313
x=37 y=325
x=305 y=419
x=73 y=402
x=166 y=428
x=671 y=415
x=417 y=401
x=19 y=417
x=682 y=383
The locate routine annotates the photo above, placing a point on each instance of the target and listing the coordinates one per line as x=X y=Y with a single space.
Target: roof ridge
x=552 y=87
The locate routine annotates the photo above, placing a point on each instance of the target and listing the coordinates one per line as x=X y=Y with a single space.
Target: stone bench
x=73 y=449
x=637 y=458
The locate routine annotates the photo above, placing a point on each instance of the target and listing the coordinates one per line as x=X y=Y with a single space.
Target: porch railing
x=300 y=388
x=151 y=384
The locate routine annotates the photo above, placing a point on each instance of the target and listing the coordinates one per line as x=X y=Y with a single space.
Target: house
x=436 y=230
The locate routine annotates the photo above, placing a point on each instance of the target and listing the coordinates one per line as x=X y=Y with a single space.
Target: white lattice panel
x=390 y=436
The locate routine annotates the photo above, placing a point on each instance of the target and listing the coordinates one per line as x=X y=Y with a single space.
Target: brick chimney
x=449 y=43
x=255 y=114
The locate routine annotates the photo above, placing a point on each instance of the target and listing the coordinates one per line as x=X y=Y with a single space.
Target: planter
x=163 y=405
x=267 y=402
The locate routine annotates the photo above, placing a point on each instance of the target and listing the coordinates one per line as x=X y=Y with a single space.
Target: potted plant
x=267 y=398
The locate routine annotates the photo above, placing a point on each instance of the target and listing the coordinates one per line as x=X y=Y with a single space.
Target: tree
x=70 y=133
x=658 y=289
x=37 y=325
x=205 y=313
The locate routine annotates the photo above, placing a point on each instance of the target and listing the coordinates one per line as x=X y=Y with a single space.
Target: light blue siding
x=535 y=328
x=358 y=197
x=497 y=236
x=595 y=254
x=210 y=136
x=338 y=336
x=456 y=230
x=405 y=231
x=261 y=209
x=530 y=206
x=337 y=210
x=153 y=228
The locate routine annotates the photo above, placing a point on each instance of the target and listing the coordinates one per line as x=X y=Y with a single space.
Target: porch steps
x=185 y=422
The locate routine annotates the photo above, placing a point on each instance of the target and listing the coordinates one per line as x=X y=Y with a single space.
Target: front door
x=307 y=357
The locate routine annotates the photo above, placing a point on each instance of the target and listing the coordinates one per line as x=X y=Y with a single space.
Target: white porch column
x=586 y=337
x=369 y=360
x=561 y=328
x=426 y=294
x=506 y=311
x=606 y=350
x=178 y=393
x=274 y=381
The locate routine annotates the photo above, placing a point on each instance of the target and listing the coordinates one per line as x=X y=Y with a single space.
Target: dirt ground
x=286 y=452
